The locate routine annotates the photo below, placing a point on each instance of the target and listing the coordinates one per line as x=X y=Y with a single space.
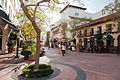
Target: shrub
x=43 y=70
x=26 y=52
x=11 y=43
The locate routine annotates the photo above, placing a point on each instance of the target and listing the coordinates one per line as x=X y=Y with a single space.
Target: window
x=92 y=31
x=6 y=4
x=108 y=27
x=118 y=26
x=3 y=1
x=99 y=30
x=85 y=32
x=76 y=14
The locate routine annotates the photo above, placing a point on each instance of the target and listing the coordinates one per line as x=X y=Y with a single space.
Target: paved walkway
x=77 y=66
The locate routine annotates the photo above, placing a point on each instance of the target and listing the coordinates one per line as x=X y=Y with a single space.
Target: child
x=42 y=53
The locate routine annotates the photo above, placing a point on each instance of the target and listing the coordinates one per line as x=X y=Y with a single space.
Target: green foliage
x=109 y=26
x=13 y=36
x=43 y=70
x=11 y=43
x=33 y=49
x=26 y=52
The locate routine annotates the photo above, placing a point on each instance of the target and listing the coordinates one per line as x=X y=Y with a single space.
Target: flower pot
x=26 y=57
x=31 y=58
x=78 y=49
x=10 y=50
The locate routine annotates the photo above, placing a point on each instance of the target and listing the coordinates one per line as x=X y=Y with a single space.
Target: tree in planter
x=11 y=44
x=32 y=18
x=26 y=54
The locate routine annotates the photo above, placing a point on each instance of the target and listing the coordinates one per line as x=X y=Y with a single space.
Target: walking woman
x=59 y=45
x=63 y=49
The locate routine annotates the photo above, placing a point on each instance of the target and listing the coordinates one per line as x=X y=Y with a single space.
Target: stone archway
x=118 y=40
x=110 y=43
x=80 y=41
x=85 y=42
x=0 y=39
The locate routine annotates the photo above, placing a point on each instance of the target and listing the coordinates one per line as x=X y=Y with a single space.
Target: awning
x=106 y=39
x=97 y=36
x=73 y=40
x=91 y=38
x=4 y=17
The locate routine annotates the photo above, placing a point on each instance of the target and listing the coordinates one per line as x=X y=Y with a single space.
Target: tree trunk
x=37 y=51
x=38 y=31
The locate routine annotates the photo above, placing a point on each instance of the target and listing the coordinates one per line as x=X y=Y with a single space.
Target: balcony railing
x=99 y=32
x=108 y=30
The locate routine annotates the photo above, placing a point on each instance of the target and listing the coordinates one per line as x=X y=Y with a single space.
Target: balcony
x=91 y=33
x=108 y=30
x=99 y=32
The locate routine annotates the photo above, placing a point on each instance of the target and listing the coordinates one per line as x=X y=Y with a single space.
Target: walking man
x=63 y=49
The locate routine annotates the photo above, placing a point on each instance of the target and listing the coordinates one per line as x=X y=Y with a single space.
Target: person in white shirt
x=63 y=49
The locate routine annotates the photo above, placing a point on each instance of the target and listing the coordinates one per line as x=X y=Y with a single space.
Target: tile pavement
x=95 y=66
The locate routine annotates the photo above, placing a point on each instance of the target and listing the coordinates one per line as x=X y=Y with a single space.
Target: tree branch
x=25 y=10
x=34 y=5
x=37 y=4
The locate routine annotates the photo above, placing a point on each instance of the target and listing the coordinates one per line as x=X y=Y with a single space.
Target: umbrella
x=106 y=39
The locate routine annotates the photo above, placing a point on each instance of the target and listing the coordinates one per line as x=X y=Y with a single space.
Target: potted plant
x=11 y=44
x=26 y=54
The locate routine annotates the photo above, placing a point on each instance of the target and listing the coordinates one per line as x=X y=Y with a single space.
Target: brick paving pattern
x=94 y=66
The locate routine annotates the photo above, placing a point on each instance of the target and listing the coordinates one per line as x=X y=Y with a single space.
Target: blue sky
x=95 y=5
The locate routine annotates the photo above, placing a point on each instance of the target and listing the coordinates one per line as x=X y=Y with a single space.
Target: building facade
x=101 y=34
x=8 y=20
x=69 y=13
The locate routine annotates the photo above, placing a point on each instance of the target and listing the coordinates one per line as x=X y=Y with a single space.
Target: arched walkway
x=80 y=41
x=110 y=44
x=85 y=42
x=118 y=46
x=0 y=39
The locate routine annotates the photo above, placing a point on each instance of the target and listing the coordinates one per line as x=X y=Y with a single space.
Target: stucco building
x=101 y=33
x=8 y=21
x=69 y=13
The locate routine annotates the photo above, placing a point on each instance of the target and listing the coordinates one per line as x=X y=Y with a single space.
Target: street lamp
x=18 y=36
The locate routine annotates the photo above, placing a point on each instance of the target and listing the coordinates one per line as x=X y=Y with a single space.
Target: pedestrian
x=63 y=49
x=59 y=46
x=42 y=53
x=73 y=48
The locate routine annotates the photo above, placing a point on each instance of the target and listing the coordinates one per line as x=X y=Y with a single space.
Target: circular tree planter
x=29 y=72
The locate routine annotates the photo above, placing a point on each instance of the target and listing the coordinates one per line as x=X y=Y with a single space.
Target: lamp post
x=17 y=45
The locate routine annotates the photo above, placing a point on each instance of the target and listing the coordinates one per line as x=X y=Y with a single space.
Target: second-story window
x=85 y=32
x=92 y=31
x=108 y=27
x=118 y=26
x=99 y=31
x=76 y=14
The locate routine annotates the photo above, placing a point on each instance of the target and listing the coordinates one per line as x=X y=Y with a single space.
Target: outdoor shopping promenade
x=73 y=66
